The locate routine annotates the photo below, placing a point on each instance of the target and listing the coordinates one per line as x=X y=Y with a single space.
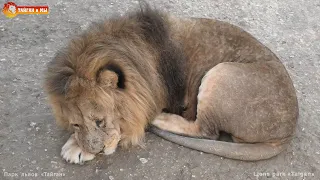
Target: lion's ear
x=108 y=79
x=112 y=76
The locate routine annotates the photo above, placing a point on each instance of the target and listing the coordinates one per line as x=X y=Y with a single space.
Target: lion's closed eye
x=99 y=122
x=76 y=126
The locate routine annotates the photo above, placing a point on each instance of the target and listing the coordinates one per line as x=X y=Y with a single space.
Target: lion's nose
x=93 y=147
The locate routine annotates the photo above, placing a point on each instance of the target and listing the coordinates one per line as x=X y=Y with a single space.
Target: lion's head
x=88 y=108
x=96 y=103
x=105 y=83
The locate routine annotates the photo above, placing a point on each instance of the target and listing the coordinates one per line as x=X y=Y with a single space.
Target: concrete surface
x=30 y=141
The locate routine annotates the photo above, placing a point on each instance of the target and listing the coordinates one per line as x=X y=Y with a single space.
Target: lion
x=192 y=78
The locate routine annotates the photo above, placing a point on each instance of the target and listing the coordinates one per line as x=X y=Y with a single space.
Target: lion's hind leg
x=176 y=124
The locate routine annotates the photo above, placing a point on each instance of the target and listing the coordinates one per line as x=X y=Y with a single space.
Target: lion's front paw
x=72 y=153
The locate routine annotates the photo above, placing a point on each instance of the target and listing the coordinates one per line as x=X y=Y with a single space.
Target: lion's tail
x=239 y=151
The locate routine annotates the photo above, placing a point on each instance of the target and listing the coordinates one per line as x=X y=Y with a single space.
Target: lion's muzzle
x=91 y=142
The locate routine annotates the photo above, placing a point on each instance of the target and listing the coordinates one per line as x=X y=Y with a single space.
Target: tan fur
x=255 y=103
x=90 y=92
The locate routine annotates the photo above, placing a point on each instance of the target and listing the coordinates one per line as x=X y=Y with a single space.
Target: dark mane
x=58 y=73
x=172 y=59
x=151 y=26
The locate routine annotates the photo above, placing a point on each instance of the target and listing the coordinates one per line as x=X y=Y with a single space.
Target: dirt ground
x=30 y=142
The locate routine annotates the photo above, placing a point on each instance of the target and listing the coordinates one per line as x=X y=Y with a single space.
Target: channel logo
x=11 y=10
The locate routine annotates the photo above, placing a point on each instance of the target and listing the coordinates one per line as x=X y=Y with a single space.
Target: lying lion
x=193 y=77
